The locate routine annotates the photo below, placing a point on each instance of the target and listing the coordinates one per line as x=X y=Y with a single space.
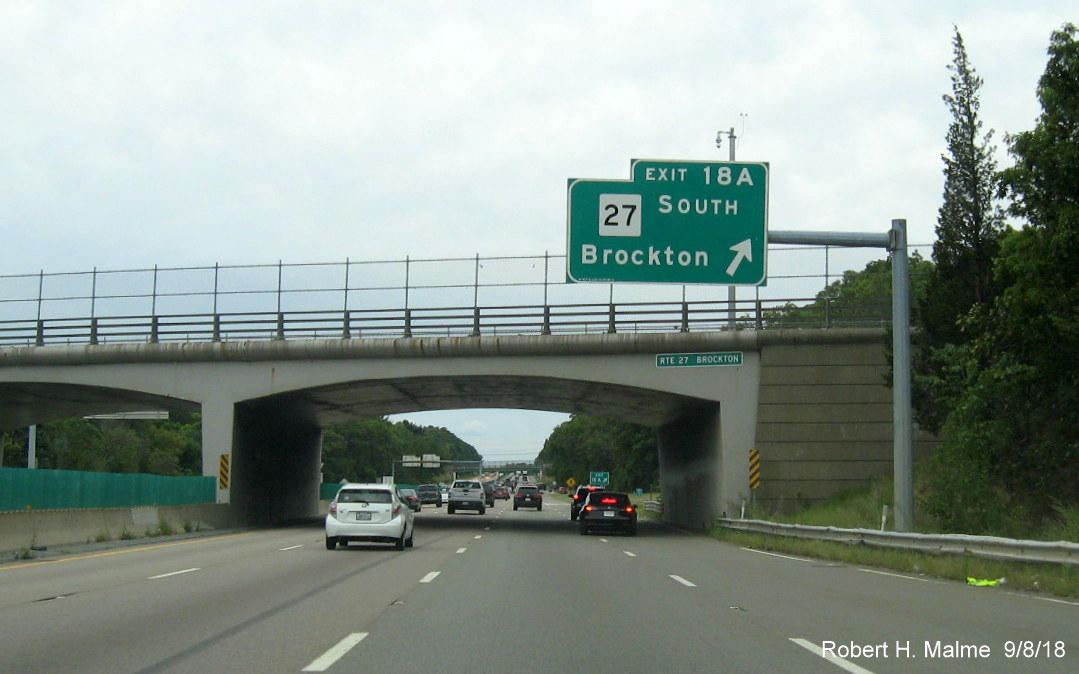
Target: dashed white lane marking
x=683 y=581
x=835 y=660
x=429 y=577
x=773 y=554
x=461 y=550
x=291 y=547
x=326 y=660
x=627 y=553
x=894 y=575
x=174 y=573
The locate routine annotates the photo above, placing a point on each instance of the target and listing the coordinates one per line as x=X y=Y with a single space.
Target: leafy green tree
x=585 y=444
x=1016 y=424
x=969 y=228
x=858 y=299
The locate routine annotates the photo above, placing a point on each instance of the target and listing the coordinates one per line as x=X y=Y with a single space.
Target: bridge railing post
x=546 y=329
x=280 y=333
x=475 y=321
x=685 y=317
x=93 y=330
x=154 y=327
x=408 y=322
x=217 y=327
x=40 y=338
x=611 y=319
x=346 y=331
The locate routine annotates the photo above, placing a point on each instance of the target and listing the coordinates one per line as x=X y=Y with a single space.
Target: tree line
x=362 y=450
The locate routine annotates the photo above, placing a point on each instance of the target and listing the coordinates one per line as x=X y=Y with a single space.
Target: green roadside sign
x=599 y=478
x=712 y=359
x=685 y=222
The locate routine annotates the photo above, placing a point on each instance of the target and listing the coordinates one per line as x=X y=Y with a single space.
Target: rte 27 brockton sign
x=672 y=222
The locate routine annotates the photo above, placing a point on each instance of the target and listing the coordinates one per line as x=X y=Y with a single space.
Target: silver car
x=369 y=513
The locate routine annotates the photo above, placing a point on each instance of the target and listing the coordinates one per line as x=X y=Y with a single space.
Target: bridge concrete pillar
x=218 y=423
x=704 y=461
x=272 y=453
x=277 y=451
x=689 y=466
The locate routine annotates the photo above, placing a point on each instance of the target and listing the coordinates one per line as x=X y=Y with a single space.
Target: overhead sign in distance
x=673 y=222
x=714 y=359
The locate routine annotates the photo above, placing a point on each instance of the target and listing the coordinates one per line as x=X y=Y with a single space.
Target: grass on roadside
x=862 y=509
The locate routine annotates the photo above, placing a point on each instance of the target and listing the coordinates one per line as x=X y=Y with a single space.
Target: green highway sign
x=599 y=478
x=716 y=358
x=671 y=222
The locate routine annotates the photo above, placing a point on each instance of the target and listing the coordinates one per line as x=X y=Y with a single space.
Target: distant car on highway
x=578 y=499
x=607 y=511
x=502 y=494
x=429 y=494
x=528 y=496
x=412 y=499
x=364 y=512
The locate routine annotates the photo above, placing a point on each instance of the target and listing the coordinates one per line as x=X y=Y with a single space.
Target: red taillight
x=333 y=508
x=608 y=501
x=630 y=509
x=589 y=508
x=396 y=510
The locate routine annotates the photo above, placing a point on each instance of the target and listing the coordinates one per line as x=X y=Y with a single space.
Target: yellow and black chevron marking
x=223 y=474
x=754 y=469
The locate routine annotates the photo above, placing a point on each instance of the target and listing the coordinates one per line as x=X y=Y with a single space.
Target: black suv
x=528 y=496
x=608 y=510
x=429 y=493
x=578 y=499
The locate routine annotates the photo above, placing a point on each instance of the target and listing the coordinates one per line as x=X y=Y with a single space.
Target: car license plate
x=608 y=513
x=363 y=517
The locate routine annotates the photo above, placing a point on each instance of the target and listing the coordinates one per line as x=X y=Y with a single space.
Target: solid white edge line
x=174 y=573
x=835 y=660
x=327 y=659
x=683 y=581
x=894 y=575
x=429 y=577
x=773 y=554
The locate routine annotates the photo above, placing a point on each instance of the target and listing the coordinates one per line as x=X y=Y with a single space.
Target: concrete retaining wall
x=24 y=529
x=824 y=422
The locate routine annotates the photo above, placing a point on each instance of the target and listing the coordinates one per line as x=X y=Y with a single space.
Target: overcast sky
x=146 y=133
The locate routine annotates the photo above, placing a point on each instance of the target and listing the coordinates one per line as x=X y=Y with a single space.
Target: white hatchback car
x=371 y=513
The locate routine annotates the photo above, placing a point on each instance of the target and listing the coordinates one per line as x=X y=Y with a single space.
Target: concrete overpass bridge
x=812 y=401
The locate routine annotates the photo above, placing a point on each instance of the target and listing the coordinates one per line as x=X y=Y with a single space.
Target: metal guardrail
x=404 y=298
x=621 y=317
x=988 y=547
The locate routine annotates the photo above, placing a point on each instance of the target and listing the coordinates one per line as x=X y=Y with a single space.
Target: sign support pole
x=895 y=241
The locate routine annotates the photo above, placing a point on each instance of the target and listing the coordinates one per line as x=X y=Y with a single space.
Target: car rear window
x=468 y=485
x=607 y=498
x=524 y=489
x=364 y=496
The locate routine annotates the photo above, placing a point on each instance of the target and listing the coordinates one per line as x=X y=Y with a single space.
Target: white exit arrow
x=744 y=251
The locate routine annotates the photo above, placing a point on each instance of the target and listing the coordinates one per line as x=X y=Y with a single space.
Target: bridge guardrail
x=620 y=317
x=404 y=298
x=989 y=547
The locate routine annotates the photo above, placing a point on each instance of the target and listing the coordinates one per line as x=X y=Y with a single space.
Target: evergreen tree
x=969 y=228
x=1012 y=441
